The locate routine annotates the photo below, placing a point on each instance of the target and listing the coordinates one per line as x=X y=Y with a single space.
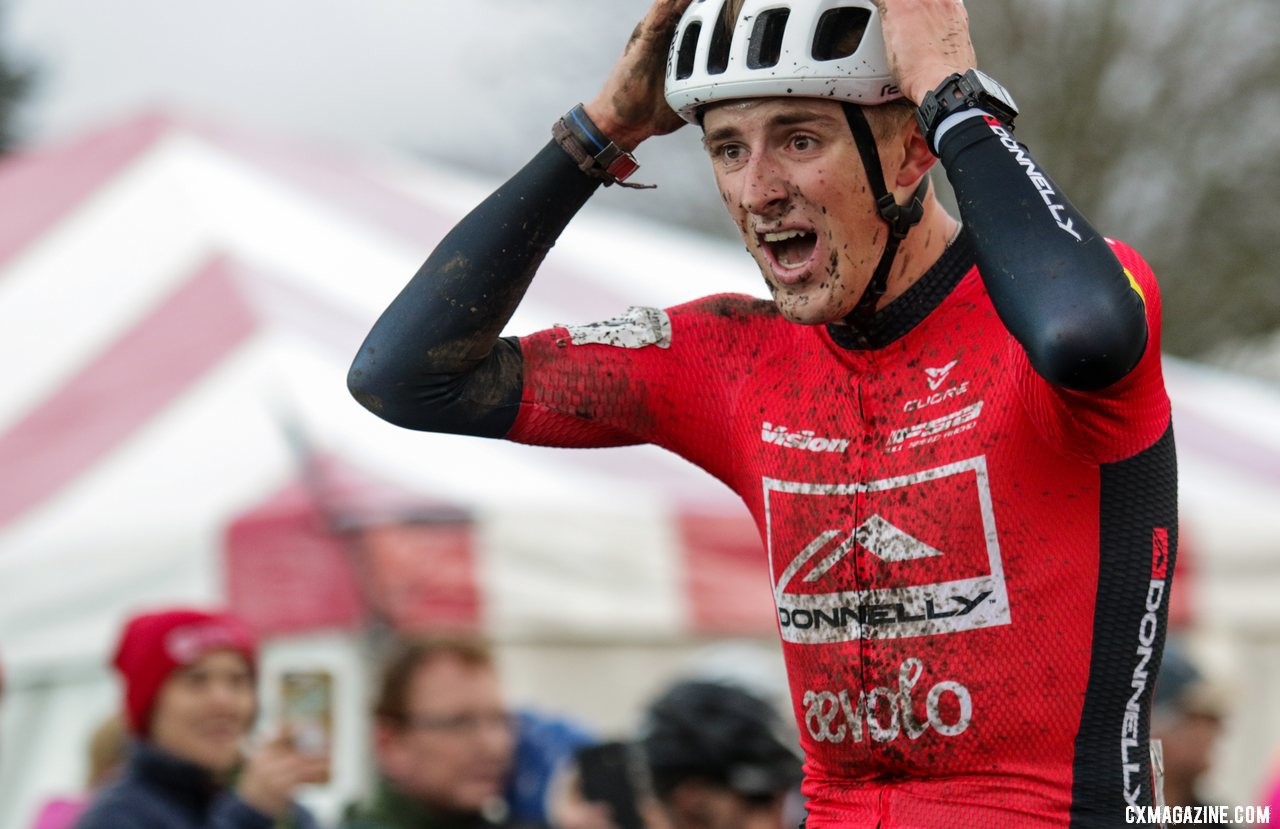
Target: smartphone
x=306 y=710
x=610 y=774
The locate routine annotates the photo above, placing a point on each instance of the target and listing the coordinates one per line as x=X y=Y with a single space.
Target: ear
x=917 y=159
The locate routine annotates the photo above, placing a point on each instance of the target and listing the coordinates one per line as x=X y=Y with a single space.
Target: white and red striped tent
x=179 y=302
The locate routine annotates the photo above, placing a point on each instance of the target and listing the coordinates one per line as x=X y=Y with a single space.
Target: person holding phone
x=189 y=704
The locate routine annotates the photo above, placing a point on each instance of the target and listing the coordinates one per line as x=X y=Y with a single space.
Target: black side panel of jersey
x=1138 y=544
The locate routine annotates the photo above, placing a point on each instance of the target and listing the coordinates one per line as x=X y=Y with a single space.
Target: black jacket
x=160 y=791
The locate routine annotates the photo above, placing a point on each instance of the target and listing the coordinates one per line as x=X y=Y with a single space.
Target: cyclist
x=953 y=435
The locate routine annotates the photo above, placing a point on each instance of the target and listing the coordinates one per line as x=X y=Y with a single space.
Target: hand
x=631 y=106
x=926 y=41
x=274 y=771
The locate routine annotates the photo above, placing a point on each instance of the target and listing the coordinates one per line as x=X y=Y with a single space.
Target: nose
x=764 y=190
x=228 y=696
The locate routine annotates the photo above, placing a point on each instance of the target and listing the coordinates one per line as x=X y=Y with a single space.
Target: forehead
x=218 y=663
x=751 y=113
x=447 y=680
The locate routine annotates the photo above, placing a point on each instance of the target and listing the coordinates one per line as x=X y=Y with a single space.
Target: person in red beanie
x=189 y=702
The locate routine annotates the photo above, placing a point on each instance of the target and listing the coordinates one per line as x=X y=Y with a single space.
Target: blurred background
x=204 y=206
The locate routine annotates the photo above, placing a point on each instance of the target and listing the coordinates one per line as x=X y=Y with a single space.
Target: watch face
x=994 y=89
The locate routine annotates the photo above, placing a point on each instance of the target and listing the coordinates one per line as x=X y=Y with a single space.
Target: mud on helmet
x=805 y=48
x=808 y=48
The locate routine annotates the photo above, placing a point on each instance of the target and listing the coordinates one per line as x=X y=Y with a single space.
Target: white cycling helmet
x=809 y=48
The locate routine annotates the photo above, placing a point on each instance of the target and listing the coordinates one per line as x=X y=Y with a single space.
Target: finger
x=660 y=23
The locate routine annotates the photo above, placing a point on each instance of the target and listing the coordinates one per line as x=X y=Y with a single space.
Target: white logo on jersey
x=962 y=602
x=936 y=429
x=938 y=376
x=833 y=717
x=806 y=439
x=883 y=540
x=635 y=328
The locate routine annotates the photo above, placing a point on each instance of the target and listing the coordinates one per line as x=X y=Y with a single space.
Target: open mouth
x=790 y=249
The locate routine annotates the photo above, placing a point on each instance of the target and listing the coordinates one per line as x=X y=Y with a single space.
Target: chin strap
x=899 y=217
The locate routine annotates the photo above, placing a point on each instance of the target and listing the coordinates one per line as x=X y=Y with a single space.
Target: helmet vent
x=688 y=46
x=765 y=46
x=839 y=33
x=718 y=55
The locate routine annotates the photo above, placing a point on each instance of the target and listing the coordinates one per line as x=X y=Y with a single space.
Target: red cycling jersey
x=969 y=564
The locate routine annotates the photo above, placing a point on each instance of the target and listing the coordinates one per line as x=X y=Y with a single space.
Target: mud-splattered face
x=791 y=176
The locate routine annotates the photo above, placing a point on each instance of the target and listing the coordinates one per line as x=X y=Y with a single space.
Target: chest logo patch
x=636 y=327
x=913 y=555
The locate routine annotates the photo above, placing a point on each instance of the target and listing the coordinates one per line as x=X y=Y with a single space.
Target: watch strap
x=956 y=94
x=595 y=154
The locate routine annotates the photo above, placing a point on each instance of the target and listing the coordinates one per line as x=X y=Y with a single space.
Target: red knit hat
x=154 y=645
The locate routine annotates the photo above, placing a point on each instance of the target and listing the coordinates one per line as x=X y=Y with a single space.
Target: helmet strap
x=899 y=217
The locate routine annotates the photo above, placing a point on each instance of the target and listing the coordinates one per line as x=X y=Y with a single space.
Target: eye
x=194 y=679
x=729 y=153
x=803 y=143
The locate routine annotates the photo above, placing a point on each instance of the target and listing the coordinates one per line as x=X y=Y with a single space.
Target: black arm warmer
x=434 y=361
x=1052 y=278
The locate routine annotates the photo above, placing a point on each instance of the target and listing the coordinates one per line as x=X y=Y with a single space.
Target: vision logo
x=924 y=561
x=806 y=439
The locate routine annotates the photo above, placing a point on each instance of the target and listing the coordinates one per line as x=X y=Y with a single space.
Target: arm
x=1052 y=278
x=434 y=360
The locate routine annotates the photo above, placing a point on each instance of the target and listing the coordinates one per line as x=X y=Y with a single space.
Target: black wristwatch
x=958 y=93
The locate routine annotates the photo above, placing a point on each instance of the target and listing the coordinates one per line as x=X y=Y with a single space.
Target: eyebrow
x=782 y=119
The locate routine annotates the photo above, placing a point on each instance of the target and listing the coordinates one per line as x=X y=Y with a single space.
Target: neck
x=920 y=249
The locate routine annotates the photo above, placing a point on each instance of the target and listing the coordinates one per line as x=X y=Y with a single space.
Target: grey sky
x=476 y=82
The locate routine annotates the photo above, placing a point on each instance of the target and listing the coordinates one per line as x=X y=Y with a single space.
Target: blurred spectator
x=108 y=754
x=190 y=702
x=443 y=741
x=716 y=757
x=1186 y=716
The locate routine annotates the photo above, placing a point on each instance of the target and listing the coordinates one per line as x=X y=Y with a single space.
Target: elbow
x=1088 y=356
x=369 y=386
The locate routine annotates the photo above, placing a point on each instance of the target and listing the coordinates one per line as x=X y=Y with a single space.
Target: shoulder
x=731 y=309
x=728 y=322
x=1136 y=268
x=686 y=325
